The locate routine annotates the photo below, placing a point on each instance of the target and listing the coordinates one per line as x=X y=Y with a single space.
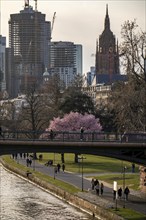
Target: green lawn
x=92 y=164
x=98 y=165
x=129 y=214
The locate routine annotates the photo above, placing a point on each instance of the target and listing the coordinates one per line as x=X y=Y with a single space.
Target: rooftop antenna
x=35 y=5
x=26 y=3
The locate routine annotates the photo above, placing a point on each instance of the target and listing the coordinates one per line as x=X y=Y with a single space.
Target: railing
x=72 y=136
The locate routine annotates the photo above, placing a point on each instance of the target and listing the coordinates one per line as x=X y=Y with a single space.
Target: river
x=21 y=200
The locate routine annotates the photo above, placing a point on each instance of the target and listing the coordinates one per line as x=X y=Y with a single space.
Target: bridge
x=128 y=147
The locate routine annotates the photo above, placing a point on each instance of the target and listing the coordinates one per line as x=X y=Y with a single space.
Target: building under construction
x=29 y=37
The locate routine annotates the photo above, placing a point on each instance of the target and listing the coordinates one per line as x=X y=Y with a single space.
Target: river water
x=20 y=200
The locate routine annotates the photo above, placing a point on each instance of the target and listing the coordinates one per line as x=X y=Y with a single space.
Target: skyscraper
x=107 y=54
x=29 y=36
x=65 y=60
x=2 y=63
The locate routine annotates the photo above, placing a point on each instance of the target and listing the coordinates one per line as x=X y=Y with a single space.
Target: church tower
x=107 y=54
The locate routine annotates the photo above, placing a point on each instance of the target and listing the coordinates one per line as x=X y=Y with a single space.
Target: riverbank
x=99 y=207
x=67 y=186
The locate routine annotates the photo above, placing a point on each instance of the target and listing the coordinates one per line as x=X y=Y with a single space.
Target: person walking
x=63 y=167
x=51 y=135
x=82 y=131
x=27 y=162
x=92 y=184
x=58 y=167
x=96 y=186
x=120 y=193
x=126 y=192
x=97 y=189
x=101 y=188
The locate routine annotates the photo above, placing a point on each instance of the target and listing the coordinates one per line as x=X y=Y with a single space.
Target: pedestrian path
x=136 y=201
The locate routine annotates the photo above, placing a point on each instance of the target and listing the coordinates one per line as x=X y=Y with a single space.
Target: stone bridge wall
x=142 y=179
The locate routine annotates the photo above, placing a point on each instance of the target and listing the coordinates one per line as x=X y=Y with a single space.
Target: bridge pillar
x=142 y=179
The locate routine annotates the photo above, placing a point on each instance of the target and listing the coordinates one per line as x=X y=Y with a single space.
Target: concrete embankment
x=81 y=200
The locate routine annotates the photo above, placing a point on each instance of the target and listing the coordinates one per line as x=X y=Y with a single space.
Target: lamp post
x=124 y=171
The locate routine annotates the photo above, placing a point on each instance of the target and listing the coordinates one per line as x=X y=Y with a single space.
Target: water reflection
x=21 y=200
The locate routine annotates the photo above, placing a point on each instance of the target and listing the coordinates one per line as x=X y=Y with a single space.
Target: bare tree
x=133 y=50
x=128 y=99
x=53 y=91
x=35 y=113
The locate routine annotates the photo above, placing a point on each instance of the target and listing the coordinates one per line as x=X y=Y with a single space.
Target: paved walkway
x=137 y=201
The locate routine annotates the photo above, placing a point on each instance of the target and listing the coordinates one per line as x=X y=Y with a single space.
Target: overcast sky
x=80 y=21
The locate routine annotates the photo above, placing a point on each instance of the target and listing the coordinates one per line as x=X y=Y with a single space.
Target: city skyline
x=81 y=21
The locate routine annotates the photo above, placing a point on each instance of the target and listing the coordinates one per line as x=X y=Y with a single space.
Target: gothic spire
x=107 y=21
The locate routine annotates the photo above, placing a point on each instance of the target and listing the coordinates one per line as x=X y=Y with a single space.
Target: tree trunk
x=62 y=158
x=76 y=158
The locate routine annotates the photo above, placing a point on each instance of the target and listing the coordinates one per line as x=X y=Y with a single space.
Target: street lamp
x=124 y=171
x=81 y=158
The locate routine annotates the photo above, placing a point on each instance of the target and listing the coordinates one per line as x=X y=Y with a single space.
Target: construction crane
x=52 y=26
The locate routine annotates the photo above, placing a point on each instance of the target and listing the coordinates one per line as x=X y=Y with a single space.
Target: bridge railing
x=59 y=136
x=87 y=136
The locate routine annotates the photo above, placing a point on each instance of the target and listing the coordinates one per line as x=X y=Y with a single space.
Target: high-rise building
x=29 y=36
x=65 y=60
x=2 y=63
x=107 y=54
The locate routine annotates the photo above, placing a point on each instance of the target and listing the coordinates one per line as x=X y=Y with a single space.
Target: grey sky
x=80 y=21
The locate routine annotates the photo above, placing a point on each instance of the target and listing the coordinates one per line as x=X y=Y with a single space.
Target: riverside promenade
x=136 y=201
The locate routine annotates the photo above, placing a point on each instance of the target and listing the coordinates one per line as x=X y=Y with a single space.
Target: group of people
x=120 y=193
x=58 y=167
x=98 y=187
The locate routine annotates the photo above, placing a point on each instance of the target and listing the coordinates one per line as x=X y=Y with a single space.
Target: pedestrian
x=101 y=188
x=58 y=167
x=92 y=184
x=96 y=182
x=27 y=162
x=126 y=192
x=63 y=167
x=120 y=193
x=30 y=162
x=97 y=189
x=51 y=134
x=82 y=131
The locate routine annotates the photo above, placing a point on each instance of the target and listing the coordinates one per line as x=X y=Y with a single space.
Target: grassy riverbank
x=63 y=185
x=93 y=161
